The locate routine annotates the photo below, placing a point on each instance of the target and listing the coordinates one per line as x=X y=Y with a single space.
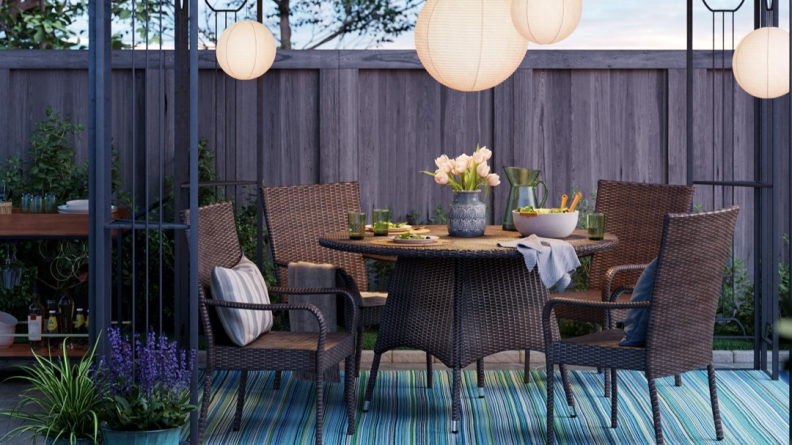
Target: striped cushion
x=242 y=284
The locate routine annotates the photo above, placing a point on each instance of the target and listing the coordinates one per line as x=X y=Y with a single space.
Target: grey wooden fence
x=377 y=117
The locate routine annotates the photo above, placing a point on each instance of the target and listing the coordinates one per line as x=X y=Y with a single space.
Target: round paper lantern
x=546 y=21
x=468 y=45
x=761 y=63
x=246 y=50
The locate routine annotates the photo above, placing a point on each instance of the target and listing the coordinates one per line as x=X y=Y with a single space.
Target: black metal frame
x=766 y=186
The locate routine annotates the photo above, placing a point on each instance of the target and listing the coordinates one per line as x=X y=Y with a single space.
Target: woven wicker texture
x=634 y=213
x=693 y=253
x=218 y=245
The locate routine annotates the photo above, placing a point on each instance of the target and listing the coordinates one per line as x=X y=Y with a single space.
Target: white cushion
x=242 y=284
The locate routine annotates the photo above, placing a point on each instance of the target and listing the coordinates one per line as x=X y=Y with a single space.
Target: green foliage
x=148 y=10
x=36 y=29
x=61 y=401
x=142 y=414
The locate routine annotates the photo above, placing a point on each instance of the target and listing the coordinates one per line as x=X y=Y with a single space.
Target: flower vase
x=467 y=215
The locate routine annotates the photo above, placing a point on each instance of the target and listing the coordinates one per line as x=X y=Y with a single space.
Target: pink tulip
x=441 y=177
x=448 y=167
x=441 y=161
x=461 y=165
x=483 y=170
x=493 y=180
x=478 y=158
x=486 y=152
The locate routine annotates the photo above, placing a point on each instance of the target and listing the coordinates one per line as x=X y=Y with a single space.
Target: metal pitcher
x=522 y=193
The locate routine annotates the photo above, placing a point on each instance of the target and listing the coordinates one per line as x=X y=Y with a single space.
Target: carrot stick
x=564 y=200
x=575 y=202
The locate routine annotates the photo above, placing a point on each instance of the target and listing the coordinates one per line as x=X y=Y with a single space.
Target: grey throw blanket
x=555 y=259
x=307 y=275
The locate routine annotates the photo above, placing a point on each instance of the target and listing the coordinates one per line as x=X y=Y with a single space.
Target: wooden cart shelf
x=20 y=225
x=22 y=351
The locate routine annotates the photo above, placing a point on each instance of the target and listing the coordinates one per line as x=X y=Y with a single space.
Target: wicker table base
x=462 y=301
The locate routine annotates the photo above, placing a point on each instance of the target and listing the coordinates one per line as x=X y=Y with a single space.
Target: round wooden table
x=460 y=301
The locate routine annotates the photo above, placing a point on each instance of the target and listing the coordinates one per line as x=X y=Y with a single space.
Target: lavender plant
x=145 y=384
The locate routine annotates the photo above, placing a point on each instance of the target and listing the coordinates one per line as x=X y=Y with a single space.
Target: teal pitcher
x=522 y=193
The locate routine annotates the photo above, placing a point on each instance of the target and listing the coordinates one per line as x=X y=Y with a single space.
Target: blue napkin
x=556 y=259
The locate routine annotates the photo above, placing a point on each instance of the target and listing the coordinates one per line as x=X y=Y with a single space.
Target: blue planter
x=159 y=437
x=467 y=215
x=49 y=441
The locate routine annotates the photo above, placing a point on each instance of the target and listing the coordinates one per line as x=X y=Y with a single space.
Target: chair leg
x=614 y=399
x=243 y=376
x=568 y=389
x=658 y=425
x=429 y=371
x=714 y=399
x=371 y=382
x=480 y=377
x=456 y=398
x=527 y=371
x=205 y=404
x=358 y=351
x=276 y=384
x=550 y=403
x=678 y=379
x=607 y=383
x=349 y=393
x=319 y=406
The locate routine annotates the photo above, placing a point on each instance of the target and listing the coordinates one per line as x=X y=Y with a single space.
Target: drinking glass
x=37 y=206
x=26 y=203
x=357 y=225
x=380 y=222
x=596 y=226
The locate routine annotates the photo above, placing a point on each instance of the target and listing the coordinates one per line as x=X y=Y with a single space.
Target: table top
x=480 y=247
x=19 y=225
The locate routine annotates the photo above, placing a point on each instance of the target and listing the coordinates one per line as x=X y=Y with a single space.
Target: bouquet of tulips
x=466 y=173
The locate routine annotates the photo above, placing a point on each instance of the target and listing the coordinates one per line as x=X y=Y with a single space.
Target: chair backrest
x=634 y=212
x=297 y=216
x=686 y=289
x=218 y=242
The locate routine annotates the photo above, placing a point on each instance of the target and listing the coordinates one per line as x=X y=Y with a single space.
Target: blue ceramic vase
x=467 y=215
x=160 y=437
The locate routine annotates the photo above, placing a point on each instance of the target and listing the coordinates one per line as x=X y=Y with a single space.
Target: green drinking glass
x=380 y=222
x=357 y=225
x=596 y=226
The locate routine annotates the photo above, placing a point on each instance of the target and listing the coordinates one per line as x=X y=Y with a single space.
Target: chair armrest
x=384 y=259
x=610 y=275
x=548 y=310
x=279 y=264
x=322 y=291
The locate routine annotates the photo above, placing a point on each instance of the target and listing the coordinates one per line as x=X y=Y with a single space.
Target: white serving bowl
x=546 y=225
x=7 y=326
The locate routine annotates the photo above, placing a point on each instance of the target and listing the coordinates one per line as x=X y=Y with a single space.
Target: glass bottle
x=52 y=328
x=66 y=319
x=79 y=326
x=35 y=319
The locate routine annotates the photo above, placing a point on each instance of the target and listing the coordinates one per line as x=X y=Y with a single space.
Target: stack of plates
x=76 y=207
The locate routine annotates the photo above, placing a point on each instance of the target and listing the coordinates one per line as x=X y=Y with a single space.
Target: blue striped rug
x=754 y=409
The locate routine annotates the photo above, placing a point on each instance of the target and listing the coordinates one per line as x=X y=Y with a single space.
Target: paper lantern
x=546 y=21
x=468 y=45
x=761 y=63
x=246 y=50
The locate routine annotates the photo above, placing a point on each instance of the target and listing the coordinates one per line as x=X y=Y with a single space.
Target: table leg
x=371 y=382
x=460 y=292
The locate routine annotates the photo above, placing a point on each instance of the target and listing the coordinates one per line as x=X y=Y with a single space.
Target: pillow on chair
x=637 y=320
x=242 y=284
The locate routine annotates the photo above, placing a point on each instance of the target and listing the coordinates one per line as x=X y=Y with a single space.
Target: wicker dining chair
x=633 y=212
x=693 y=252
x=218 y=245
x=296 y=217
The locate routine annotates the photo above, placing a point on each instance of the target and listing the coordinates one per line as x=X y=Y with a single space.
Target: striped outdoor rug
x=754 y=409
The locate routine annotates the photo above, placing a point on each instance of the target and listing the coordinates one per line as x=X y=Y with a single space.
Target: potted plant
x=466 y=175
x=146 y=390
x=64 y=400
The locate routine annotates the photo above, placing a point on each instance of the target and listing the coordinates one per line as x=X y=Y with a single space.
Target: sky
x=605 y=24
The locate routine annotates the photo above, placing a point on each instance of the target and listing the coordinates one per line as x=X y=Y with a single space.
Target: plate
x=427 y=239
x=403 y=229
x=77 y=203
x=67 y=210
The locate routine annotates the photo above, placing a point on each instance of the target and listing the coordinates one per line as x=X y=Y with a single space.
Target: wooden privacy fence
x=377 y=117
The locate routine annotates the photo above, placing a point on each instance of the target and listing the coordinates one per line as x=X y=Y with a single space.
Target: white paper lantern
x=546 y=21
x=246 y=50
x=761 y=63
x=468 y=45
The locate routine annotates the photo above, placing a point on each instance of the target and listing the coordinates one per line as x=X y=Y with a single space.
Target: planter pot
x=467 y=215
x=49 y=441
x=158 y=437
